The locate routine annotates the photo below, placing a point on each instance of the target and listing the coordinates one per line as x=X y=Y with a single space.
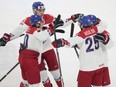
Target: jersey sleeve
x=22 y=27
x=102 y=26
x=110 y=41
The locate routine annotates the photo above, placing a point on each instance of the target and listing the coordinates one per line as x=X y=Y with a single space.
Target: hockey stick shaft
x=9 y=71
x=71 y=35
x=72 y=30
x=57 y=19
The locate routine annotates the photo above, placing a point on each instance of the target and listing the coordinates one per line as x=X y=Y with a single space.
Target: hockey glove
x=54 y=25
x=4 y=39
x=58 y=22
x=102 y=38
x=76 y=17
x=59 y=43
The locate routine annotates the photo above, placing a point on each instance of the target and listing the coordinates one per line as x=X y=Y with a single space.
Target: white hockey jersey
x=25 y=24
x=92 y=53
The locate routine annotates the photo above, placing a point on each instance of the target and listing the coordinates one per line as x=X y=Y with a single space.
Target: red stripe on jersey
x=31 y=30
x=86 y=32
x=48 y=18
x=27 y=21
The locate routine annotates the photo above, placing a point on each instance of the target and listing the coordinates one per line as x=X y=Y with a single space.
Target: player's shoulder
x=48 y=15
x=26 y=21
x=48 y=18
x=86 y=32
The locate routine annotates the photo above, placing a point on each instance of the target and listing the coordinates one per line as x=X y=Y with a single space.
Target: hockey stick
x=9 y=71
x=59 y=31
x=71 y=35
x=57 y=19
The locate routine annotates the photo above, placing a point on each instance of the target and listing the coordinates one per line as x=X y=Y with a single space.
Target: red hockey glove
x=4 y=39
x=59 y=43
x=76 y=17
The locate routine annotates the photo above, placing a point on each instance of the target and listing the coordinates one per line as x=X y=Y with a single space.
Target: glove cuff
x=64 y=42
x=106 y=39
x=51 y=25
x=51 y=30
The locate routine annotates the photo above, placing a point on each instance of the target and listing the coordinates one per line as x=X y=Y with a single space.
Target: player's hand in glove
x=57 y=23
x=102 y=38
x=54 y=25
x=59 y=43
x=4 y=39
x=76 y=17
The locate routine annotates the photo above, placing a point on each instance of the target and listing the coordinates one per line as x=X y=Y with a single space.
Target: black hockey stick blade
x=59 y=31
x=72 y=30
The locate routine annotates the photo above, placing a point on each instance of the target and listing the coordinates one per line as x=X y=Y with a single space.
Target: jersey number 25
x=92 y=43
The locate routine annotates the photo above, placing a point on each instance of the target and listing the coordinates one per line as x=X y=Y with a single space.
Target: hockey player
x=39 y=9
x=92 y=41
x=31 y=48
x=106 y=77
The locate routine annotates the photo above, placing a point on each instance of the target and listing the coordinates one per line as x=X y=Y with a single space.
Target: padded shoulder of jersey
x=86 y=32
